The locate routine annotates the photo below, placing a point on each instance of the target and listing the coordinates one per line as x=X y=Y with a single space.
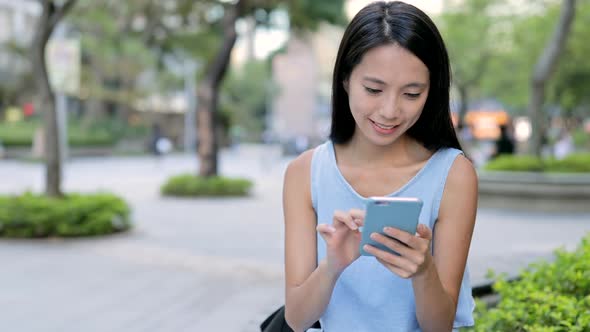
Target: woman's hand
x=414 y=250
x=342 y=239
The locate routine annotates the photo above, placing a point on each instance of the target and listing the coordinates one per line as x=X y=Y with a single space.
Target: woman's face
x=387 y=91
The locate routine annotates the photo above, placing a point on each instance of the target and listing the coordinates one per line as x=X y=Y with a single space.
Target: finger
x=325 y=228
x=424 y=232
x=397 y=261
x=344 y=218
x=358 y=216
x=402 y=236
x=392 y=244
x=409 y=253
x=400 y=272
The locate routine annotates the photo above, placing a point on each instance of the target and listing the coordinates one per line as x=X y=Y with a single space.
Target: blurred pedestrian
x=504 y=144
x=564 y=145
x=156 y=135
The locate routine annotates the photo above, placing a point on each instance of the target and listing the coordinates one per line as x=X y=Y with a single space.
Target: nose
x=390 y=108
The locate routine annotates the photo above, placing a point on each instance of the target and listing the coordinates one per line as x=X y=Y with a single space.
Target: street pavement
x=198 y=264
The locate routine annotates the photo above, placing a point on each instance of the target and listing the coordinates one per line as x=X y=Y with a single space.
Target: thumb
x=424 y=232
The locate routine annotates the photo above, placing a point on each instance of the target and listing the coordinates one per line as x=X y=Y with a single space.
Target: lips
x=382 y=128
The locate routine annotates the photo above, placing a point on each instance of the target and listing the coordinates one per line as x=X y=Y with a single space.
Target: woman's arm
x=436 y=279
x=437 y=287
x=309 y=285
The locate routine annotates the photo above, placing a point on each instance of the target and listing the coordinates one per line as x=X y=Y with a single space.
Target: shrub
x=581 y=138
x=551 y=296
x=33 y=216
x=574 y=163
x=21 y=134
x=515 y=163
x=79 y=137
x=190 y=185
x=17 y=134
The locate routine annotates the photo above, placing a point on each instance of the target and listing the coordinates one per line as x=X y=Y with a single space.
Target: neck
x=401 y=152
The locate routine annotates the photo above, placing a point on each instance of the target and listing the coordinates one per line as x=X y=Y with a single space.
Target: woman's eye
x=372 y=91
x=413 y=95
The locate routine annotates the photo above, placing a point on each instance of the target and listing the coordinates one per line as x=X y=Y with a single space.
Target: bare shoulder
x=460 y=188
x=297 y=181
x=462 y=175
x=299 y=168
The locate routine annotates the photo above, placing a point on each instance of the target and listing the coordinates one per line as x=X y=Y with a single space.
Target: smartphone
x=398 y=212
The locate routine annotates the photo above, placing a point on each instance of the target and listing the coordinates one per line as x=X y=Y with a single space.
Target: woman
x=391 y=136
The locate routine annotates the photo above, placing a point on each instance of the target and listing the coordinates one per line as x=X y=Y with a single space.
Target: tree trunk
x=46 y=100
x=207 y=139
x=464 y=83
x=50 y=17
x=208 y=92
x=544 y=69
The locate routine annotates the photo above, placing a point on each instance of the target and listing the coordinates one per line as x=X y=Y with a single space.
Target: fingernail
x=387 y=229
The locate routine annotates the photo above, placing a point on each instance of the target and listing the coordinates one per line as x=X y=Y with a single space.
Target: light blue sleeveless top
x=367 y=296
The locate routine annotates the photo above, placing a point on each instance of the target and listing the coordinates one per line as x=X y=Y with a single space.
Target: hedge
x=34 y=216
x=21 y=135
x=574 y=163
x=190 y=185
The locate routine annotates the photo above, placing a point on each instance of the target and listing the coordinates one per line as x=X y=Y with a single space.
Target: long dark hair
x=382 y=23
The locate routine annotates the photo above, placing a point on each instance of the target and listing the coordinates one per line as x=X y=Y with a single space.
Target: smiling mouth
x=382 y=126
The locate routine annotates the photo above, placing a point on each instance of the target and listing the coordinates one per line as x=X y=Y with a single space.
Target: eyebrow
x=409 y=85
x=374 y=80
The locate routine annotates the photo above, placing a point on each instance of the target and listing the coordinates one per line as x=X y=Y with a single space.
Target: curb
x=485 y=292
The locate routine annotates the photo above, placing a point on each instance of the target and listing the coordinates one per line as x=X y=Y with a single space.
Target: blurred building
x=295 y=72
x=16 y=32
x=303 y=74
x=15 y=20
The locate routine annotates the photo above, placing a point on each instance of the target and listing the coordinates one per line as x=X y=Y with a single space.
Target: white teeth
x=383 y=127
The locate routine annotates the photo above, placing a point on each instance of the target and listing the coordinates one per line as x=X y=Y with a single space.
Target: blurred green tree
x=544 y=69
x=473 y=31
x=244 y=96
x=16 y=77
x=114 y=55
x=203 y=30
x=221 y=17
x=512 y=67
x=570 y=87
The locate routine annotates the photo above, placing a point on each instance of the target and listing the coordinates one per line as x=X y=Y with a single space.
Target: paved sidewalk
x=197 y=265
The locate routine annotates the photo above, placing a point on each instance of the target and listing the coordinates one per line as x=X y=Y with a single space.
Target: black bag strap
x=276 y=322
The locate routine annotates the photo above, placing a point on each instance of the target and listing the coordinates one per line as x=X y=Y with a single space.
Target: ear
x=346 y=84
